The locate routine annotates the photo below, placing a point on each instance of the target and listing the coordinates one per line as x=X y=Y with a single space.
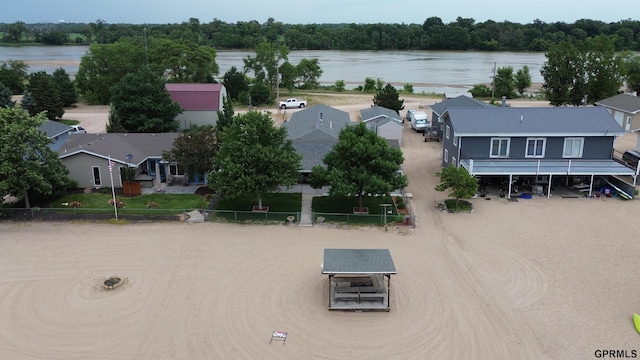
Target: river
x=427 y=71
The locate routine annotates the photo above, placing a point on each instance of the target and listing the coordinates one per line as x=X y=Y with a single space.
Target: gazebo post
x=388 y=291
x=330 y=276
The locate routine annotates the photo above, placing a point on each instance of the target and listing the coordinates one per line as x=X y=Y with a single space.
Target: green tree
x=604 y=69
x=235 y=82
x=5 y=97
x=254 y=158
x=589 y=67
x=632 y=74
x=14 y=32
x=194 y=149
x=360 y=163
x=225 y=117
x=480 y=91
x=504 y=82
x=523 y=80
x=27 y=166
x=65 y=87
x=288 y=76
x=309 y=72
x=264 y=64
x=45 y=95
x=260 y=94
x=559 y=73
x=458 y=181
x=27 y=102
x=182 y=61
x=105 y=64
x=141 y=103
x=369 y=85
x=13 y=74
x=340 y=85
x=388 y=97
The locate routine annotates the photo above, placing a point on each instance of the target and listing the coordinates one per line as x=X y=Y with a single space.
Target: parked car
x=292 y=103
x=631 y=158
x=76 y=129
x=418 y=120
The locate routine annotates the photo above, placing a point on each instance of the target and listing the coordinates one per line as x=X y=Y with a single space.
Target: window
x=446 y=155
x=500 y=147
x=175 y=169
x=573 y=147
x=448 y=132
x=453 y=161
x=535 y=147
x=96 y=176
x=455 y=141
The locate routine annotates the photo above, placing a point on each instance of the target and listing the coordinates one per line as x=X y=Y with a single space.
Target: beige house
x=625 y=108
x=86 y=156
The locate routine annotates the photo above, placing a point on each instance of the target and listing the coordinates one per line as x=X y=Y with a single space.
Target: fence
x=253 y=216
x=68 y=214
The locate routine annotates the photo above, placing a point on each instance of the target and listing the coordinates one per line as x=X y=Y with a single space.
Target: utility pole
x=493 y=81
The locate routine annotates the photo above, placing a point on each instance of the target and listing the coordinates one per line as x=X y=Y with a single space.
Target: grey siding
x=595 y=148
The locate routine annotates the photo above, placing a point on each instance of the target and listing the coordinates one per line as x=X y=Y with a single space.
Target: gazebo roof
x=358 y=261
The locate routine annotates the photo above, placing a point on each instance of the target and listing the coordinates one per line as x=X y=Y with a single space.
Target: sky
x=312 y=11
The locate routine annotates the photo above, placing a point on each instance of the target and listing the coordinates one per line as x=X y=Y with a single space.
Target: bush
x=339 y=85
x=400 y=203
x=408 y=88
x=480 y=91
x=455 y=206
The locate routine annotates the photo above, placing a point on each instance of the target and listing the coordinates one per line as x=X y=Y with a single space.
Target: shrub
x=400 y=203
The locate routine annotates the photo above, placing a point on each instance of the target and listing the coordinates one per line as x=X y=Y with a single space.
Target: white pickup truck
x=292 y=103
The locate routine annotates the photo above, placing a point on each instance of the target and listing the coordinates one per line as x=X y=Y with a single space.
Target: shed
x=356 y=278
x=200 y=102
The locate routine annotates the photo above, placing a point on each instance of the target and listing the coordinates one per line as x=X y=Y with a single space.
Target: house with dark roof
x=86 y=156
x=57 y=132
x=200 y=102
x=385 y=122
x=544 y=146
x=314 y=131
x=438 y=109
x=625 y=108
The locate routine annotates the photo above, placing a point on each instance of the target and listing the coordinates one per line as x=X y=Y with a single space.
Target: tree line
x=432 y=34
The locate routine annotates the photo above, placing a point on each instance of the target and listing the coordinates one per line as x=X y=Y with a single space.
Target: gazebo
x=356 y=278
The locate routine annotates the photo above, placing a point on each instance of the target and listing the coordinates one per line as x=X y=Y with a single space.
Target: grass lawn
x=342 y=207
x=281 y=205
x=69 y=122
x=167 y=203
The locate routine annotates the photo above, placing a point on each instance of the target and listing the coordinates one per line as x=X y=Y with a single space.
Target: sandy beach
x=546 y=278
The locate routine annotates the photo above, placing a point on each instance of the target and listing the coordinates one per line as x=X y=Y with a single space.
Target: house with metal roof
x=462 y=101
x=385 y=122
x=200 y=102
x=57 y=132
x=314 y=131
x=86 y=156
x=545 y=146
x=625 y=108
